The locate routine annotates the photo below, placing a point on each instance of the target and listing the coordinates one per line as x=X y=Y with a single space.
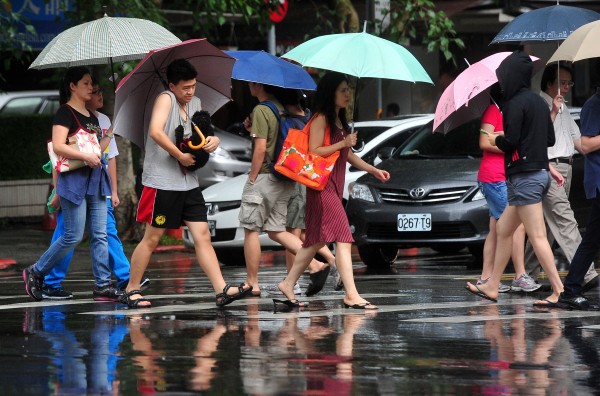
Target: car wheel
x=378 y=256
x=477 y=262
x=231 y=257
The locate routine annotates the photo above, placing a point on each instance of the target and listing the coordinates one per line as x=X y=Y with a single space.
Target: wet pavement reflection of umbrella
x=262 y=67
x=581 y=44
x=463 y=100
x=552 y=23
x=136 y=92
x=360 y=55
x=104 y=41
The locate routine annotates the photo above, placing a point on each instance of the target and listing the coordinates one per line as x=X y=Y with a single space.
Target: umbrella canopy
x=552 y=23
x=104 y=40
x=136 y=92
x=360 y=55
x=462 y=101
x=581 y=44
x=262 y=67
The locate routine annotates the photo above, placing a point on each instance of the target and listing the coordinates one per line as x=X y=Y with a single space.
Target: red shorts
x=169 y=209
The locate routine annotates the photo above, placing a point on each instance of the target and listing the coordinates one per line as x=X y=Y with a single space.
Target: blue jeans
x=585 y=252
x=74 y=217
x=495 y=196
x=117 y=260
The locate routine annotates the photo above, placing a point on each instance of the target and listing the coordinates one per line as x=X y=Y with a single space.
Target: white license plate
x=212 y=226
x=414 y=222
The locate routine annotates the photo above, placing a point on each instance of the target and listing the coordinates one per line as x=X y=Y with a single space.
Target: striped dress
x=326 y=219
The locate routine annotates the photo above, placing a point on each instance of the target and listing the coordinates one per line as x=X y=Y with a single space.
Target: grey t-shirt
x=161 y=171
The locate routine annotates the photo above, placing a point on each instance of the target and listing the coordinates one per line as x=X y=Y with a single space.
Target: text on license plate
x=212 y=225
x=414 y=222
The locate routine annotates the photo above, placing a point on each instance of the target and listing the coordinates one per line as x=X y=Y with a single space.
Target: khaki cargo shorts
x=297 y=207
x=264 y=203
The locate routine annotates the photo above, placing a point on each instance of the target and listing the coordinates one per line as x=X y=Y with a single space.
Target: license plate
x=414 y=222
x=212 y=226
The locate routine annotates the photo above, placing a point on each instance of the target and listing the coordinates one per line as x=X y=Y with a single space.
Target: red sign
x=280 y=10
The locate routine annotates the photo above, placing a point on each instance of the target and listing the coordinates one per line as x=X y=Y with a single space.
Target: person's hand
x=55 y=202
x=187 y=159
x=212 y=143
x=492 y=138
x=92 y=160
x=248 y=125
x=557 y=104
x=381 y=175
x=350 y=139
x=558 y=178
x=114 y=199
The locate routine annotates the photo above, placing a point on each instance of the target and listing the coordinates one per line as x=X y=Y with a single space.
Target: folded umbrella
x=262 y=67
x=137 y=91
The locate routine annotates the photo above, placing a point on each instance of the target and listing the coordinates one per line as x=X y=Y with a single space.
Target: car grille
x=433 y=197
x=452 y=230
x=224 y=234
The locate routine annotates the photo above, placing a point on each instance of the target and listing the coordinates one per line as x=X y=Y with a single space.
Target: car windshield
x=463 y=141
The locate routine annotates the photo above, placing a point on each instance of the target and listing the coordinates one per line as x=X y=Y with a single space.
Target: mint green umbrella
x=360 y=55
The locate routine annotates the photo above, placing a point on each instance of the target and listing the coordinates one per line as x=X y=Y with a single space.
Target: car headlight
x=222 y=154
x=361 y=191
x=478 y=195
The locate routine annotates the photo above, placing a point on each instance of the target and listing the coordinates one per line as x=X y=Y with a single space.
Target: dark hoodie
x=528 y=130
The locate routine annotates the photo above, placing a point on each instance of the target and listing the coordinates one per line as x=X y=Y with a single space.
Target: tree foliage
x=11 y=40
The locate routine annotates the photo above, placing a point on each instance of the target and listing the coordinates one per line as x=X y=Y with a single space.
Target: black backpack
x=285 y=121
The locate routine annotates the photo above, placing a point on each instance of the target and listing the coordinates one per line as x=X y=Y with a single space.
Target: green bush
x=24 y=148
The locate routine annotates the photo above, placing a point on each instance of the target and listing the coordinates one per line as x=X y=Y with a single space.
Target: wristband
x=109 y=135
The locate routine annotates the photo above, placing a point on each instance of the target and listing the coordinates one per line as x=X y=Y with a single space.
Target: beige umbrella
x=581 y=44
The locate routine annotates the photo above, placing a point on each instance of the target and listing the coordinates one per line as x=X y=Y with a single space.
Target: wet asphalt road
x=429 y=337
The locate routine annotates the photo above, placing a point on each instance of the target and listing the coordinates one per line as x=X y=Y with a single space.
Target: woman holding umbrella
x=326 y=219
x=528 y=131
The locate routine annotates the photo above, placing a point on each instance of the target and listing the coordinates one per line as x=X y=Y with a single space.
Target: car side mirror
x=385 y=153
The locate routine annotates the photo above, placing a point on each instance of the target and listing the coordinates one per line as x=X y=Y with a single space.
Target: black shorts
x=169 y=209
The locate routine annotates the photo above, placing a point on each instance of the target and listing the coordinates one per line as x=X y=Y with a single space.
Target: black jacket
x=528 y=130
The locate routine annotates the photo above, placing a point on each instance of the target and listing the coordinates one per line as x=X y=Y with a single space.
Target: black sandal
x=225 y=299
x=131 y=303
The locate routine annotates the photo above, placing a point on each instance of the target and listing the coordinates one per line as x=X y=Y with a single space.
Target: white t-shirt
x=111 y=151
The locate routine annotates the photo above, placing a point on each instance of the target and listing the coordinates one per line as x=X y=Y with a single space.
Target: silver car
x=29 y=102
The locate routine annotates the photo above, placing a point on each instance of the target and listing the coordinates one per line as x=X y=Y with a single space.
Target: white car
x=29 y=102
x=376 y=142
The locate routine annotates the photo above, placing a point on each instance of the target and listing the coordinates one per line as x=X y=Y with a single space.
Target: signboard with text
x=46 y=16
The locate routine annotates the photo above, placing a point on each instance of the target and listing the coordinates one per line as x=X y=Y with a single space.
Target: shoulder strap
x=273 y=108
x=74 y=115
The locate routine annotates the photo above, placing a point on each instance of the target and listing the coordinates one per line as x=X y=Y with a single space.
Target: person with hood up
x=528 y=131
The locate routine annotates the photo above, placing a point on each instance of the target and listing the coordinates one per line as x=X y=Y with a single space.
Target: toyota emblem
x=417 y=193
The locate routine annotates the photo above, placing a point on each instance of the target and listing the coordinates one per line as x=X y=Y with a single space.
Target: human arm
x=484 y=141
x=112 y=173
x=359 y=163
x=160 y=113
x=258 y=157
x=317 y=137
x=557 y=176
x=590 y=144
x=55 y=201
x=60 y=147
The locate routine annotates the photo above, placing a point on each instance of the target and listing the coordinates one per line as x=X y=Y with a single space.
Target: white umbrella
x=104 y=41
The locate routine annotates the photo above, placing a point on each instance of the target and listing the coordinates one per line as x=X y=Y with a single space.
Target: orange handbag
x=299 y=164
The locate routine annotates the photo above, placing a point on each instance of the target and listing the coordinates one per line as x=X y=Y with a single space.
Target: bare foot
x=485 y=290
x=288 y=292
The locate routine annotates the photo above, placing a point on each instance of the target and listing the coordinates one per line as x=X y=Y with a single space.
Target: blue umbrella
x=552 y=23
x=262 y=67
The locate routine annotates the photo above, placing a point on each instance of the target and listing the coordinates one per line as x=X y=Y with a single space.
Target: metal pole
x=271 y=40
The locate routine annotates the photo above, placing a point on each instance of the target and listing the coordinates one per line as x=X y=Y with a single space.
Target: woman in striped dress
x=326 y=220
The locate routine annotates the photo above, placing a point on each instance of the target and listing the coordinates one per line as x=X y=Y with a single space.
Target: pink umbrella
x=462 y=99
x=135 y=94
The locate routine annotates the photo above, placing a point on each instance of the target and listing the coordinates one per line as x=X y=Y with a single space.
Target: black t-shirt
x=64 y=117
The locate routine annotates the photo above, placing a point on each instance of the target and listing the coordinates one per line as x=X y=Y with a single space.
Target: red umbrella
x=462 y=101
x=136 y=92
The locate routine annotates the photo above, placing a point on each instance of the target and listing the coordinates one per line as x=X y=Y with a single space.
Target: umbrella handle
x=202 y=139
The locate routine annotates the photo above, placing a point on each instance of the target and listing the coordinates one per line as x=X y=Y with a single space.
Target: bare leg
x=140 y=259
x=489 y=250
x=252 y=255
x=533 y=219
x=344 y=266
x=303 y=258
x=518 y=251
x=293 y=244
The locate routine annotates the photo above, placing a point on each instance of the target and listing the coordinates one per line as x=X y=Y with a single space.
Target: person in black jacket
x=528 y=132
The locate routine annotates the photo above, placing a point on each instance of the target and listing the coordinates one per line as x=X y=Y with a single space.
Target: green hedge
x=24 y=148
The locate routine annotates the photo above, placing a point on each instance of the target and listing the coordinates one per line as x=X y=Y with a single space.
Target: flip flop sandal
x=481 y=294
x=131 y=303
x=288 y=304
x=225 y=299
x=360 y=306
x=317 y=281
x=545 y=303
